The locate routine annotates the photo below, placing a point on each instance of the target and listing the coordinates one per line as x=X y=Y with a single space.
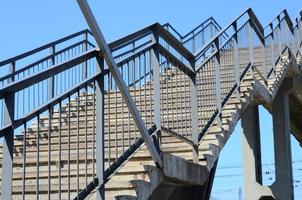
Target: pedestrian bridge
x=146 y=116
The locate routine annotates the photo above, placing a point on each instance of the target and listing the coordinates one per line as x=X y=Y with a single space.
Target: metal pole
x=119 y=80
x=8 y=141
x=273 y=48
x=100 y=146
x=279 y=37
x=218 y=82
x=51 y=79
x=156 y=88
x=85 y=48
x=236 y=60
x=251 y=44
x=194 y=117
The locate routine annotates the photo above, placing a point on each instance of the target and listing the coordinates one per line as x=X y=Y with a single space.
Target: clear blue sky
x=27 y=24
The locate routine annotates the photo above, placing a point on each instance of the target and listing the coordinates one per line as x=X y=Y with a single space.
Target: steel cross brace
x=106 y=53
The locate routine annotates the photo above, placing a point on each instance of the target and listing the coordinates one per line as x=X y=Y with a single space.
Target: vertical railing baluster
x=194 y=114
x=156 y=89
x=51 y=79
x=78 y=142
x=38 y=158
x=60 y=140
x=273 y=48
x=279 y=39
x=100 y=158
x=236 y=59
x=251 y=44
x=93 y=130
x=86 y=135
x=24 y=162
x=68 y=145
x=218 y=82
x=49 y=152
x=85 y=48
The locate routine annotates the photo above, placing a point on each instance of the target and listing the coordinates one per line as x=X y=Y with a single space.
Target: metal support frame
x=236 y=59
x=273 y=48
x=194 y=117
x=279 y=37
x=51 y=79
x=156 y=89
x=218 y=83
x=100 y=145
x=250 y=43
x=85 y=48
x=8 y=141
x=119 y=80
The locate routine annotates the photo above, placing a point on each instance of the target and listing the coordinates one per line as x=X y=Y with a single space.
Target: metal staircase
x=143 y=116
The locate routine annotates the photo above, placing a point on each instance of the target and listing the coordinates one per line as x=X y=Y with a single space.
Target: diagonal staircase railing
x=146 y=65
x=44 y=109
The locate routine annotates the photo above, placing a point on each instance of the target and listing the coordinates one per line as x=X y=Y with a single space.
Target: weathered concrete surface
x=252 y=155
x=178 y=179
x=295 y=108
x=282 y=188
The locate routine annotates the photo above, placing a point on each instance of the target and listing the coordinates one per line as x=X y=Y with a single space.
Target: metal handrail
x=44 y=47
x=183 y=61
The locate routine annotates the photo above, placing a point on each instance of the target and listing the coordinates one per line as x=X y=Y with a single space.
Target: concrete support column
x=253 y=188
x=283 y=186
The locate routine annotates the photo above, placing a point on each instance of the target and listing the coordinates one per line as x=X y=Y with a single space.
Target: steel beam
x=51 y=82
x=156 y=87
x=8 y=142
x=100 y=146
x=119 y=79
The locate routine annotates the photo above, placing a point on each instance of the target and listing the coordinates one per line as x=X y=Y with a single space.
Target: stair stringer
x=257 y=93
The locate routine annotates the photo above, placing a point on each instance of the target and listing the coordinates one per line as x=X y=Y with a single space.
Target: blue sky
x=27 y=24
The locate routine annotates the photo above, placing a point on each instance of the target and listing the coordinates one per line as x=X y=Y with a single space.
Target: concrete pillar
x=253 y=188
x=283 y=186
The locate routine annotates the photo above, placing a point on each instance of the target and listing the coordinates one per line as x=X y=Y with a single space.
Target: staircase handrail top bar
x=193 y=30
x=156 y=27
x=209 y=19
x=51 y=71
x=279 y=18
x=41 y=48
x=257 y=25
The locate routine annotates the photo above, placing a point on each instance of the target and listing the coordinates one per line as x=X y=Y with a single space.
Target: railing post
x=8 y=141
x=156 y=89
x=193 y=43
x=51 y=79
x=263 y=49
x=236 y=59
x=194 y=115
x=85 y=48
x=273 y=48
x=279 y=37
x=251 y=43
x=100 y=146
x=218 y=82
